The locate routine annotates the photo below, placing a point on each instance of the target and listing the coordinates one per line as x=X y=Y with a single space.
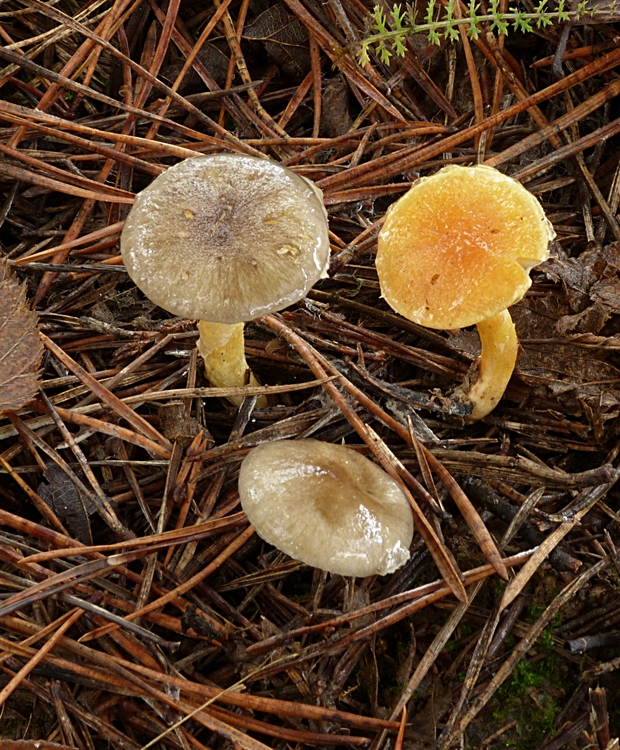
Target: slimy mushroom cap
x=226 y=238
x=327 y=506
x=458 y=246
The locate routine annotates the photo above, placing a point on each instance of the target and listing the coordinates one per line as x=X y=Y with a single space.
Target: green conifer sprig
x=387 y=37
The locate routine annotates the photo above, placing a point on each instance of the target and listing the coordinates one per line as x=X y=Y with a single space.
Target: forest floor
x=157 y=617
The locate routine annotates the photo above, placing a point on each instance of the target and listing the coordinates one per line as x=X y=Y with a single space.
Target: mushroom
x=226 y=238
x=457 y=249
x=327 y=506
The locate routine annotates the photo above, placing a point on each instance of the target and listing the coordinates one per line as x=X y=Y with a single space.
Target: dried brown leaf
x=336 y=116
x=68 y=503
x=214 y=60
x=21 y=349
x=590 y=287
x=589 y=298
x=176 y=425
x=285 y=39
x=576 y=274
x=590 y=320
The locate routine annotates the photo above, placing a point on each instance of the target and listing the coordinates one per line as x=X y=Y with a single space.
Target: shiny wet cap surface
x=458 y=246
x=327 y=506
x=226 y=238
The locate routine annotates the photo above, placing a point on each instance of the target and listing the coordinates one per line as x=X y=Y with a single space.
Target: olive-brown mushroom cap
x=457 y=247
x=226 y=238
x=327 y=506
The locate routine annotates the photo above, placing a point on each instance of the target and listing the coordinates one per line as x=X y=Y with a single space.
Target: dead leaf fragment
x=21 y=349
x=175 y=425
x=32 y=745
x=563 y=355
x=214 y=60
x=68 y=503
x=336 y=118
x=590 y=287
x=285 y=39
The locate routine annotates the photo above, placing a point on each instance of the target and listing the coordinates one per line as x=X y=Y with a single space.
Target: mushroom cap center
x=226 y=238
x=326 y=505
x=458 y=246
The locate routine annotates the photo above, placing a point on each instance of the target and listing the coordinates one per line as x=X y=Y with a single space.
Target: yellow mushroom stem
x=221 y=345
x=500 y=347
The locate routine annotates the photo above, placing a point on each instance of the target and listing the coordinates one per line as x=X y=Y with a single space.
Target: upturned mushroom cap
x=457 y=248
x=226 y=238
x=327 y=506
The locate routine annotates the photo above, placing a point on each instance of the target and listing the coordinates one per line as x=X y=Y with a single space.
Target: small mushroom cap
x=326 y=505
x=457 y=248
x=226 y=238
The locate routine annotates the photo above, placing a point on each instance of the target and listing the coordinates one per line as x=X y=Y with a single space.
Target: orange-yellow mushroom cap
x=457 y=248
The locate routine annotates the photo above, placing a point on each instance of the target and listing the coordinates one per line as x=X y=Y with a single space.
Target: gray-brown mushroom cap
x=226 y=238
x=327 y=506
